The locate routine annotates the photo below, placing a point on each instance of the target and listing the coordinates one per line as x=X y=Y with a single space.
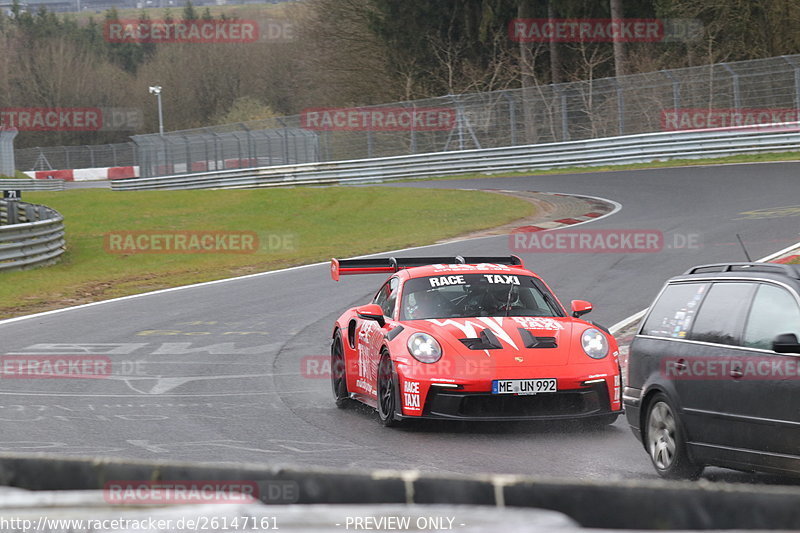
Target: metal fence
x=637 y=148
x=224 y=147
x=764 y=90
x=72 y=157
x=721 y=95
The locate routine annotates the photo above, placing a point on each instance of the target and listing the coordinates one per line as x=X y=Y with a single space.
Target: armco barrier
x=607 y=151
x=601 y=504
x=30 y=235
x=31 y=185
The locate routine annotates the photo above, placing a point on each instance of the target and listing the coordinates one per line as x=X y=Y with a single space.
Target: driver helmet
x=499 y=298
x=425 y=305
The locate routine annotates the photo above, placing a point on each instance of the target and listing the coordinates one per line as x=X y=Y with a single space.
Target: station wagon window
x=773 y=313
x=671 y=316
x=722 y=313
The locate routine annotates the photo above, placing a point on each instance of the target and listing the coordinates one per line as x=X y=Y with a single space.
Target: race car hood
x=503 y=339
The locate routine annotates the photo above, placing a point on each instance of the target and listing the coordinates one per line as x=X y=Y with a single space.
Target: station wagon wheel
x=387 y=391
x=666 y=443
x=338 y=374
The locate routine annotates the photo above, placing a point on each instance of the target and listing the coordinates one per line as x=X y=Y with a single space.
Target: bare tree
x=619 y=46
x=57 y=72
x=527 y=67
x=342 y=62
x=555 y=49
x=738 y=29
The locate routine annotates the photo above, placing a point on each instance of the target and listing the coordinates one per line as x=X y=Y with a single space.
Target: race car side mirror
x=371 y=312
x=580 y=308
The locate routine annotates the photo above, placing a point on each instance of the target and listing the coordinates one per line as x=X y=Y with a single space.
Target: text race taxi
x=470 y=338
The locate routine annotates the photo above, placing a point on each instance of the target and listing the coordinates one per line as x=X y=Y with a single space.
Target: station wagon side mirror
x=580 y=308
x=786 y=343
x=371 y=312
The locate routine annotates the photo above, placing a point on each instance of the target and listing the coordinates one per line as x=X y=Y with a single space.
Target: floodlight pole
x=156 y=89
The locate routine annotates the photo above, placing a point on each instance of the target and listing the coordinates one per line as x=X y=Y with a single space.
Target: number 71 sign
x=12 y=195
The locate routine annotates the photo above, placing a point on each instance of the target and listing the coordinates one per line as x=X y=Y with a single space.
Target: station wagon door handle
x=680 y=365
x=736 y=372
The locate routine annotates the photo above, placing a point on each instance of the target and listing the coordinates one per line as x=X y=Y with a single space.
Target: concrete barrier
x=599 y=504
x=87 y=174
x=64 y=175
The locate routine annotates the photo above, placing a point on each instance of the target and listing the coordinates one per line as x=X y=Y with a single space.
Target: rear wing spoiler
x=388 y=265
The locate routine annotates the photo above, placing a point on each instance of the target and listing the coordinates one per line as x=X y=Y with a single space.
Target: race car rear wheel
x=387 y=391
x=338 y=373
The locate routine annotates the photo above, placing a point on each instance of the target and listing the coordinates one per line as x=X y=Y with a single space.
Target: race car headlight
x=424 y=348
x=594 y=343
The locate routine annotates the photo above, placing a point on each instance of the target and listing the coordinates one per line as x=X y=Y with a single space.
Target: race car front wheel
x=387 y=391
x=338 y=373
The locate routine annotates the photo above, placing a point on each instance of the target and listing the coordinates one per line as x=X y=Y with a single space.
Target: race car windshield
x=473 y=295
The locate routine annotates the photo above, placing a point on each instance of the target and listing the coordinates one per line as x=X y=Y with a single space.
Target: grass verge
x=293 y=226
x=742 y=158
x=17 y=176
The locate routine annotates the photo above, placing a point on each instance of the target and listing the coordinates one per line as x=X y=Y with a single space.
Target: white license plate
x=523 y=386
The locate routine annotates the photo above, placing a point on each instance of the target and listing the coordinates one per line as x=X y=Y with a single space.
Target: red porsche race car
x=471 y=338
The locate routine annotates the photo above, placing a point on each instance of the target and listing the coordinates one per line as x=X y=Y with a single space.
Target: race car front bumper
x=585 y=402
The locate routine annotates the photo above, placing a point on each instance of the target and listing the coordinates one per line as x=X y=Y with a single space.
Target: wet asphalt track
x=215 y=373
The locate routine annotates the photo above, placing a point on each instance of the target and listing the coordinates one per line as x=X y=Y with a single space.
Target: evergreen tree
x=189 y=12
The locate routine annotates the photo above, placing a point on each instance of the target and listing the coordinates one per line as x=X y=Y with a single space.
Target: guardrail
x=613 y=504
x=607 y=151
x=31 y=185
x=30 y=235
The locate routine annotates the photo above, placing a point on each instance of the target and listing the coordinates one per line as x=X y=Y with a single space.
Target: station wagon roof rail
x=789 y=270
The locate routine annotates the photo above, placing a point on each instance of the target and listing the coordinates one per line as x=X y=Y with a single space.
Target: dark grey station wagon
x=714 y=371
